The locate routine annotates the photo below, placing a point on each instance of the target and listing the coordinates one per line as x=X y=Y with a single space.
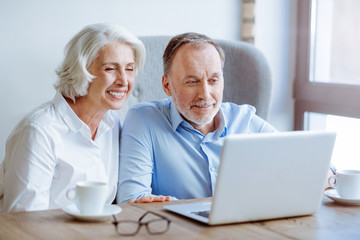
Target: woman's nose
x=121 y=78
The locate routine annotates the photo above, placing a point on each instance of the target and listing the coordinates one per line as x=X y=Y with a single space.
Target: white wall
x=34 y=33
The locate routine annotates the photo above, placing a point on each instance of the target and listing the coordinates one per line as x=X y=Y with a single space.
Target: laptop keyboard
x=202 y=213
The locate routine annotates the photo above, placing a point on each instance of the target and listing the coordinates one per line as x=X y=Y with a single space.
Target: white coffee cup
x=347 y=183
x=89 y=197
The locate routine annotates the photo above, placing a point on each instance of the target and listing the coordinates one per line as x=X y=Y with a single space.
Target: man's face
x=196 y=83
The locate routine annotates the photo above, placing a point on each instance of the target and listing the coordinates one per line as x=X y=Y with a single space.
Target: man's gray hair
x=73 y=75
x=192 y=38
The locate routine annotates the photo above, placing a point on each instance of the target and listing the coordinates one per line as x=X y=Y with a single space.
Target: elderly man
x=172 y=147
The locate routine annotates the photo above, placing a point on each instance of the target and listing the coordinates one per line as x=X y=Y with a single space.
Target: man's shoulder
x=148 y=107
x=143 y=117
x=232 y=108
x=243 y=119
x=153 y=112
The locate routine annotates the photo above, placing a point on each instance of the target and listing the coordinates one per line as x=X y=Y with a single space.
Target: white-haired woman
x=74 y=137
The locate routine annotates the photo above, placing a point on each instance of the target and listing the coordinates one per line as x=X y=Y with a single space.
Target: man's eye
x=130 y=69
x=110 y=69
x=192 y=81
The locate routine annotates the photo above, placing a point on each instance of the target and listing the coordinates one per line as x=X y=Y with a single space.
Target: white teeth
x=203 y=104
x=118 y=94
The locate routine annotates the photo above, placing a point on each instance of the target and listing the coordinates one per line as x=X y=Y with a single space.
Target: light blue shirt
x=162 y=154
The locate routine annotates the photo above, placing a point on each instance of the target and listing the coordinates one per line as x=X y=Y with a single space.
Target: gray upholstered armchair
x=246 y=74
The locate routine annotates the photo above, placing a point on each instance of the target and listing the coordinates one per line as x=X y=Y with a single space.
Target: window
x=327 y=84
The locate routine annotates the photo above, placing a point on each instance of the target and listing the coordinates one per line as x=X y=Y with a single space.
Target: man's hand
x=150 y=199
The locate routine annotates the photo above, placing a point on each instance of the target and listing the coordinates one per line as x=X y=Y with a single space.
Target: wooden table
x=332 y=221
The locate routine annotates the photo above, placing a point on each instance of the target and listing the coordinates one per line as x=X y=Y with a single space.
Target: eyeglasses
x=154 y=226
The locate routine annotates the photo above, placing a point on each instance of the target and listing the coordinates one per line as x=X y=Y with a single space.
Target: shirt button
x=212 y=169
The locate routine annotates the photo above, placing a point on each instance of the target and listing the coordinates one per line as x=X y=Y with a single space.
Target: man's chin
x=199 y=118
x=200 y=121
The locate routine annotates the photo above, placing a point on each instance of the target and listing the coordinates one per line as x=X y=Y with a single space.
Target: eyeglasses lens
x=157 y=226
x=127 y=228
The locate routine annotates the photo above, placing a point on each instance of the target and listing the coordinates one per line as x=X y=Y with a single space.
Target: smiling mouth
x=117 y=94
x=203 y=105
x=202 y=108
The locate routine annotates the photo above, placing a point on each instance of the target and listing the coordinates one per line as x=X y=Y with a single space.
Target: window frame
x=326 y=98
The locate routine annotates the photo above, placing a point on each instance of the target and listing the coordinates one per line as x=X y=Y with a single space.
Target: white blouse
x=50 y=150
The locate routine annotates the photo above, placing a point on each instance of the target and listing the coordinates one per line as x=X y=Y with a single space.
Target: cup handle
x=71 y=193
x=331 y=184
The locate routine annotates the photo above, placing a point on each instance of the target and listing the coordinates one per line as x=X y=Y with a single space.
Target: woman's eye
x=109 y=69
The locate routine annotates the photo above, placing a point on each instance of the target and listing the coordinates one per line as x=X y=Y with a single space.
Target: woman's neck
x=87 y=113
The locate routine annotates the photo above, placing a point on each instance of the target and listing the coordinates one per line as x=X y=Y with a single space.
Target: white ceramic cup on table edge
x=89 y=196
x=346 y=183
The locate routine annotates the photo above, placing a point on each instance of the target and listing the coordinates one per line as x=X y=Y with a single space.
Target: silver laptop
x=266 y=176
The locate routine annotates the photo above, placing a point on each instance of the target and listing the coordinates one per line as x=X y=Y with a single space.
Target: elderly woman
x=74 y=137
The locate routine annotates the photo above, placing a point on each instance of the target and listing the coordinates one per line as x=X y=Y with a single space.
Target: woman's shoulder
x=34 y=125
x=39 y=119
x=40 y=115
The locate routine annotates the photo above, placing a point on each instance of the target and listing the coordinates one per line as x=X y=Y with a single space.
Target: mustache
x=202 y=103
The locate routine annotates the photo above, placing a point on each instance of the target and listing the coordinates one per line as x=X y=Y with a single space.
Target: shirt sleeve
x=29 y=170
x=259 y=125
x=136 y=164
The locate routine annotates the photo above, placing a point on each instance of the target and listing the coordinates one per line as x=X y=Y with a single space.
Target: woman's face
x=114 y=71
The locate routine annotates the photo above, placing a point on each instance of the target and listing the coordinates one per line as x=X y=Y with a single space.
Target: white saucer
x=109 y=210
x=333 y=195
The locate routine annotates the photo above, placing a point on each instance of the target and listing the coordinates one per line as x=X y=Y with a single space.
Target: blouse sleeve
x=29 y=169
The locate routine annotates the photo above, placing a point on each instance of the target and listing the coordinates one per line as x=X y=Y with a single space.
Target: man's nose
x=203 y=90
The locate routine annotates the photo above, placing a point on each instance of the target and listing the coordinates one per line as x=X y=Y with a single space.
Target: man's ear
x=166 y=85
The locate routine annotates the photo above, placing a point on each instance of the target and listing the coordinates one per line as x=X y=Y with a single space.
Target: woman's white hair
x=81 y=51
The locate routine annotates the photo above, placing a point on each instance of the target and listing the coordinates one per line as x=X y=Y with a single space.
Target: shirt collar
x=222 y=129
x=74 y=122
x=107 y=122
x=67 y=114
x=175 y=116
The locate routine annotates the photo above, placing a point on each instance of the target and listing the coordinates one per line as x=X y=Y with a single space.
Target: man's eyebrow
x=217 y=74
x=191 y=76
